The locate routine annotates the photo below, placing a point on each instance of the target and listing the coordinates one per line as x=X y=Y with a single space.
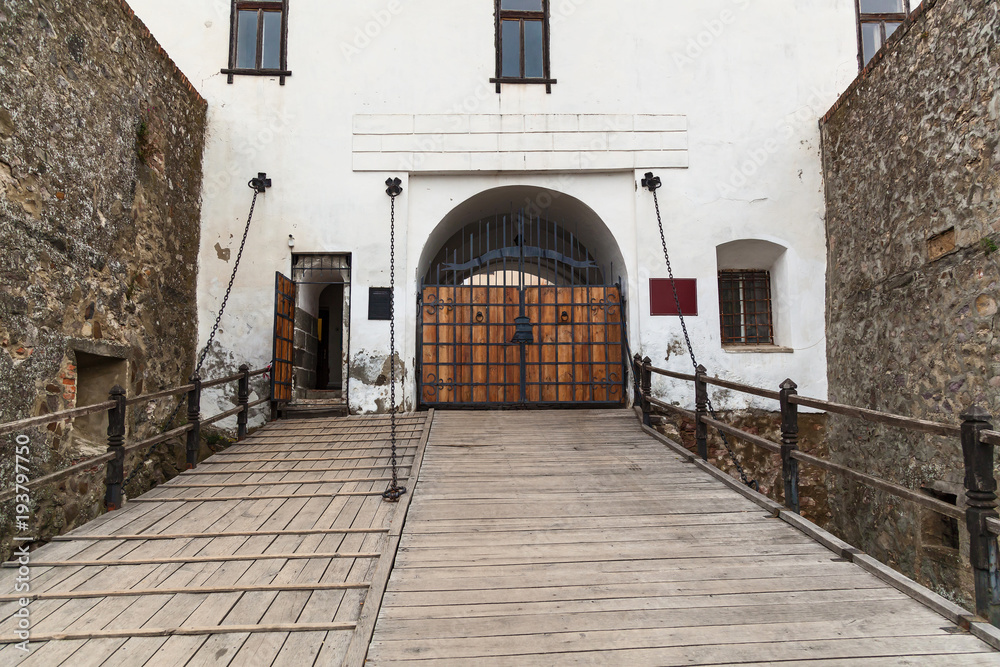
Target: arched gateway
x=515 y=310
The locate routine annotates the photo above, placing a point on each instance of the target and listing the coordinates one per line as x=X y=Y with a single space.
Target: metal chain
x=211 y=337
x=394 y=491
x=752 y=483
x=229 y=287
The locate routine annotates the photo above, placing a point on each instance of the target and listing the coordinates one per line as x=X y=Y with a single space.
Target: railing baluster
x=789 y=443
x=243 y=394
x=194 y=418
x=114 y=472
x=644 y=378
x=981 y=498
x=700 y=411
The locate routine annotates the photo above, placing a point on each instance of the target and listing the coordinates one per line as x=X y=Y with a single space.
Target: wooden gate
x=534 y=342
x=284 y=328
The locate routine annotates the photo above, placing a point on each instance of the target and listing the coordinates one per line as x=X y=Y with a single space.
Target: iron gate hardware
x=515 y=311
x=522 y=331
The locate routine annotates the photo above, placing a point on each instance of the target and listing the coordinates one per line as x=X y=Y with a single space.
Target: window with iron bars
x=745 y=307
x=877 y=20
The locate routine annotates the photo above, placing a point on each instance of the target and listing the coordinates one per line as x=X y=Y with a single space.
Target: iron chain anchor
x=393 y=189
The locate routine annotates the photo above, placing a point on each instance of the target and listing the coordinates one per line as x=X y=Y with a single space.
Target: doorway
x=322 y=324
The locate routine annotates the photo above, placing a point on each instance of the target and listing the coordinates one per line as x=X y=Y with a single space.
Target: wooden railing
x=114 y=459
x=975 y=435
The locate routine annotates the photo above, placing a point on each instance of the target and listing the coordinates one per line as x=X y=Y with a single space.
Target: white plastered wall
x=750 y=78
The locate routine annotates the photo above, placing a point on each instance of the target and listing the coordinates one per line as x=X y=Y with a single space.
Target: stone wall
x=101 y=141
x=913 y=224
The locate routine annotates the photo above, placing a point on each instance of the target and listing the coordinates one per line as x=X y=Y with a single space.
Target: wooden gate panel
x=283 y=352
x=467 y=357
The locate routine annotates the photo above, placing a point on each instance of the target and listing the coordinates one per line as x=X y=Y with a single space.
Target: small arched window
x=748 y=310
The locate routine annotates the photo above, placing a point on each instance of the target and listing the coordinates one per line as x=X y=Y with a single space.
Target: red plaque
x=661 y=296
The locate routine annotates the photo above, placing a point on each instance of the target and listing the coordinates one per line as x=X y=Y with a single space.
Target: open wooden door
x=284 y=327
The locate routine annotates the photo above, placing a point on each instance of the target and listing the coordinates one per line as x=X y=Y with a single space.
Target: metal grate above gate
x=515 y=311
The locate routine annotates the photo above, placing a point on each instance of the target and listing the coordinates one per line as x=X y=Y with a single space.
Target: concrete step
x=324 y=393
x=310 y=408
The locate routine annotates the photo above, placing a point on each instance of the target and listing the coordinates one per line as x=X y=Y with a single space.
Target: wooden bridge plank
x=204 y=542
x=549 y=538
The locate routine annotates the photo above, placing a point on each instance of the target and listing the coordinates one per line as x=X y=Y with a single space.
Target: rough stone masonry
x=913 y=225
x=101 y=141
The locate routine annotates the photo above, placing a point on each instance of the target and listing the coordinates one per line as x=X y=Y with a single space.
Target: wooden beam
x=126 y=633
x=239 y=533
x=191 y=559
x=191 y=590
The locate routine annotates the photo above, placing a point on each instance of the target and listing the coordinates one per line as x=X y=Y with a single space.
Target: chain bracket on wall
x=393 y=188
x=652 y=183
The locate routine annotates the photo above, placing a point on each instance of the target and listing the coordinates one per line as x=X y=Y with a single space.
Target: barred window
x=745 y=307
x=877 y=20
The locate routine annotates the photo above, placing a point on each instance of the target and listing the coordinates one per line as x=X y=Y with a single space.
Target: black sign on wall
x=379 y=303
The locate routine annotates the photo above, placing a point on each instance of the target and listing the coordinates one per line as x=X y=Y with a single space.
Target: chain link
x=211 y=337
x=394 y=491
x=752 y=483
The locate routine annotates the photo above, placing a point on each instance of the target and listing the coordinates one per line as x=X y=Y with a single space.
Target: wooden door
x=284 y=328
x=467 y=357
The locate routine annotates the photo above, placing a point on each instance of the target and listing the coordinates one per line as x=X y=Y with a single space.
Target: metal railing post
x=115 y=470
x=243 y=395
x=194 y=419
x=646 y=386
x=789 y=443
x=700 y=411
x=981 y=498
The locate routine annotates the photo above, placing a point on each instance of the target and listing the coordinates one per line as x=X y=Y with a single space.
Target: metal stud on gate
x=393 y=189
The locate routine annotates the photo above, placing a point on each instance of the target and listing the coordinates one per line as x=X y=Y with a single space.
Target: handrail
x=991 y=437
x=55 y=417
x=157 y=439
x=142 y=398
x=936 y=428
x=116 y=415
x=56 y=476
x=895 y=489
x=745 y=388
x=923 y=425
x=669 y=374
x=763 y=443
x=976 y=436
x=672 y=408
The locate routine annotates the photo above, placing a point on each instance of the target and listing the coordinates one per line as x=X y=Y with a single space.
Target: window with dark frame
x=877 y=20
x=522 y=42
x=745 y=307
x=257 y=39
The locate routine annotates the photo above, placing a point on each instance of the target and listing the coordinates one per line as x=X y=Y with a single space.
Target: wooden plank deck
x=264 y=555
x=572 y=537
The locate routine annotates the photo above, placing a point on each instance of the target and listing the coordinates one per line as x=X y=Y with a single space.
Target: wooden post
x=701 y=410
x=115 y=470
x=243 y=395
x=789 y=443
x=194 y=419
x=647 y=388
x=981 y=498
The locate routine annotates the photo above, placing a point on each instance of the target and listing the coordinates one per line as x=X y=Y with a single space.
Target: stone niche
x=97 y=371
